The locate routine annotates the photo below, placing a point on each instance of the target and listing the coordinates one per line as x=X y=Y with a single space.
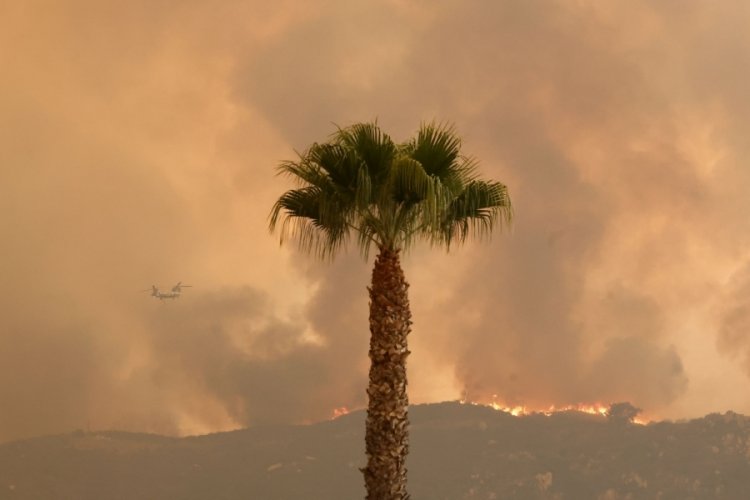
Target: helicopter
x=174 y=293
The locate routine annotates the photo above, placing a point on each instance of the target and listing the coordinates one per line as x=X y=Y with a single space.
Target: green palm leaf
x=475 y=210
x=388 y=194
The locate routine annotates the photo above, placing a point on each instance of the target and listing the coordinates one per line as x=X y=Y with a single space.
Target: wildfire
x=599 y=409
x=518 y=411
x=522 y=410
x=339 y=412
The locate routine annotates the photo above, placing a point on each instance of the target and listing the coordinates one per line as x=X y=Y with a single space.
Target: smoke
x=734 y=318
x=229 y=346
x=616 y=158
x=138 y=144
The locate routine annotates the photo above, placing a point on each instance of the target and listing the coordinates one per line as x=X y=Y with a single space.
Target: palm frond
x=475 y=211
x=408 y=182
x=363 y=189
x=386 y=193
x=437 y=147
x=305 y=173
x=339 y=164
x=374 y=148
x=312 y=217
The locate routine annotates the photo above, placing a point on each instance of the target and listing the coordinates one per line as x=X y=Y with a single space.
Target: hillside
x=457 y=451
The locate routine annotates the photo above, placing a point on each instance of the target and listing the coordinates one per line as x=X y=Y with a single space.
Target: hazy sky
x=138 y=142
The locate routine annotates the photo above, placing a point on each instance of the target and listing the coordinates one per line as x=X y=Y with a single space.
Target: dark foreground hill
x=457 y=451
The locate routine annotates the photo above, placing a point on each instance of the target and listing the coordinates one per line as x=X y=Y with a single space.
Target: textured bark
x=387 y=433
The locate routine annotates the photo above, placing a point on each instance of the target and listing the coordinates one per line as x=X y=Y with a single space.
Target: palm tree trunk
x=387 y=433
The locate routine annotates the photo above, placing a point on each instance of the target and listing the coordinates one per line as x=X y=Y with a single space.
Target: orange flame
x=339 y=412
x=522 y=410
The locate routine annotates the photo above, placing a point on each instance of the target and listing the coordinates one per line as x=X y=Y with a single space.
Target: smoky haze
x=137 y=147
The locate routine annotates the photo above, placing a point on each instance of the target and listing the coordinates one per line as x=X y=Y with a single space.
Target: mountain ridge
x=457 y=451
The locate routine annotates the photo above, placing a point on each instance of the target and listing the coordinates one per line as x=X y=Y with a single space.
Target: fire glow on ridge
x=599 y=409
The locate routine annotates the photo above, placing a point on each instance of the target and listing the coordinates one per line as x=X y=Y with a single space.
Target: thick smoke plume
x=137 y=146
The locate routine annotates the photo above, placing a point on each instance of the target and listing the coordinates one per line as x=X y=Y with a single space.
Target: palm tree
x=387 y=195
